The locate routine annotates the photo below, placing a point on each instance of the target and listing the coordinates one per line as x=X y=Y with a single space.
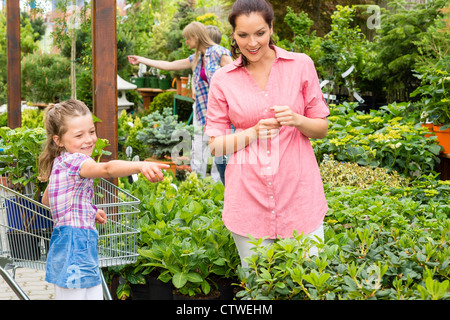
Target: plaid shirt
x=70 y=196
x=212 y=58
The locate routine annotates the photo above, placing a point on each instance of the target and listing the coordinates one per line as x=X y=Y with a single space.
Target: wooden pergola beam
x=104 y=63
x=104 y=71
x=13 y=62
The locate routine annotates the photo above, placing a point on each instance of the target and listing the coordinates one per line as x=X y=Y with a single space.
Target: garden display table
x=444 y=166
x=149 y=93
x=177 y=97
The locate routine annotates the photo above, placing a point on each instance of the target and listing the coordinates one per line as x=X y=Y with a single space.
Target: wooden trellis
x=104 y=62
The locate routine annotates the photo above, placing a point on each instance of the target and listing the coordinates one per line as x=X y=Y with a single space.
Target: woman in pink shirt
x=274 y=100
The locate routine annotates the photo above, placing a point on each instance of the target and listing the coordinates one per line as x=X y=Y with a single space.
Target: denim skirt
x=72 y=260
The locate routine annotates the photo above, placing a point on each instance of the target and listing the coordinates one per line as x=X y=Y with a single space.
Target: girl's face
x=252 y=35
x=191 y=42
x=80 y=136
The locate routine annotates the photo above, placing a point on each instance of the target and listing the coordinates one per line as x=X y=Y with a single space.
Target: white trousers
x=92 y=293
x=245 y=248
x=200 y=154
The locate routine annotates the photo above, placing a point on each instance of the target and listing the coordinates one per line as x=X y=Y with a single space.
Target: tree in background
x=401 y=29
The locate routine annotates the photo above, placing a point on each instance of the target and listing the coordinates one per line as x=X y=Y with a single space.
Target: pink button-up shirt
x=273 y=187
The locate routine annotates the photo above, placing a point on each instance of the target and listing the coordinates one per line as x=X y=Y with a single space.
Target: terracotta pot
x=184 y=86
x=430 y=128
x=443 y=137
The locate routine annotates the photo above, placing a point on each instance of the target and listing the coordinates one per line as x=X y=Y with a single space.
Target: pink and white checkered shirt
x=273 y=187
x=70 y=196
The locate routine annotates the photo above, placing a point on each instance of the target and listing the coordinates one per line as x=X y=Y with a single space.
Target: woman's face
x=252 y=35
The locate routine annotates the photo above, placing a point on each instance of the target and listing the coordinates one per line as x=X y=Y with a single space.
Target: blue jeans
x=221 y=163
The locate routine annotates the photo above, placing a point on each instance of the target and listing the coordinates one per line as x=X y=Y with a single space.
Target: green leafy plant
x=382 y=138
x=20 y=157
x=380 y=243
x=161 y=132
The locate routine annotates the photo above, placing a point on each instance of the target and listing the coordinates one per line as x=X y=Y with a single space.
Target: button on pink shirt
x=273 y=187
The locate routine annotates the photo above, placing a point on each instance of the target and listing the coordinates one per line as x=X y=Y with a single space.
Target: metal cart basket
x=26 y=226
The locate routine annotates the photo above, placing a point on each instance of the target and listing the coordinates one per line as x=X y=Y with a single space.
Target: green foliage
x=300 y=25
x=336 y=174
x=162 y=133
x=45 y=77
x=128 y=128
x=183 y=238
x=433 y=71
x=397 y=45
x=20 y=157
x=380 y=243
x=383 y=138
x=27 y=44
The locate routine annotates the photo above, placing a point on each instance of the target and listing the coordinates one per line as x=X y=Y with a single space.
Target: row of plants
x=183 y=241
x=380 y=243
x=388 y=138
x=386 y=237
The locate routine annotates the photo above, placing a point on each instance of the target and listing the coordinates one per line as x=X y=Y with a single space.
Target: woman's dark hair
x=247 y=7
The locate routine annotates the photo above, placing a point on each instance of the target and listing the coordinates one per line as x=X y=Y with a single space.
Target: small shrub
x=45 y=77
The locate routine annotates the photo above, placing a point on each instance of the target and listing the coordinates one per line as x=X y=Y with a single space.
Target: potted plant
x=25 y=215
x=151 y=78
x=165 y=81
x=161 y=133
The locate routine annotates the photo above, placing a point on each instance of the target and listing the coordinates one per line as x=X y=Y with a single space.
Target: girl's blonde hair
x=198 y=30
x=55 y=119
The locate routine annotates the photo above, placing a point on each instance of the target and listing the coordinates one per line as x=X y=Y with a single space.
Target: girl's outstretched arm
x=119 y=168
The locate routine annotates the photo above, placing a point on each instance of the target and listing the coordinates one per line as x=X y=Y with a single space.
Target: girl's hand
x=134 y=60
x=100 y=217
x=285 y=116
x=152 y=171
x=267 y=128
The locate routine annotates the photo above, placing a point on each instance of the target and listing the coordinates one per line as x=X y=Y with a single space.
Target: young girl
x=66 y=163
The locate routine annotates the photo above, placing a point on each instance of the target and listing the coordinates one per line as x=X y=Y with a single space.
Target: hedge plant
x=382 y=138
x=380 y=243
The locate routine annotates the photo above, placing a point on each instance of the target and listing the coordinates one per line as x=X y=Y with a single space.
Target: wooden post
x=104 y=74
x=13 y=58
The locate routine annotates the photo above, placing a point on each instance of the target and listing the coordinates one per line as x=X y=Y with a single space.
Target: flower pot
x=139 y=291
x=184 y=86
x=213 y=295
x=165 y=84
x=154 y=82
x=443 y=137
x=139 y=82
x=430 y=128
x=178 y=86
x=147 y=83
x=159 y=290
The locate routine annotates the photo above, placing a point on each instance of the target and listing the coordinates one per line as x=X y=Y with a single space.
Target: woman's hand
x=314 y=128
x=285 y=116
x=267 y=128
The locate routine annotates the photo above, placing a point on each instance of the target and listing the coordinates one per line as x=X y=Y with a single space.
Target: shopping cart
x=26 y=226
